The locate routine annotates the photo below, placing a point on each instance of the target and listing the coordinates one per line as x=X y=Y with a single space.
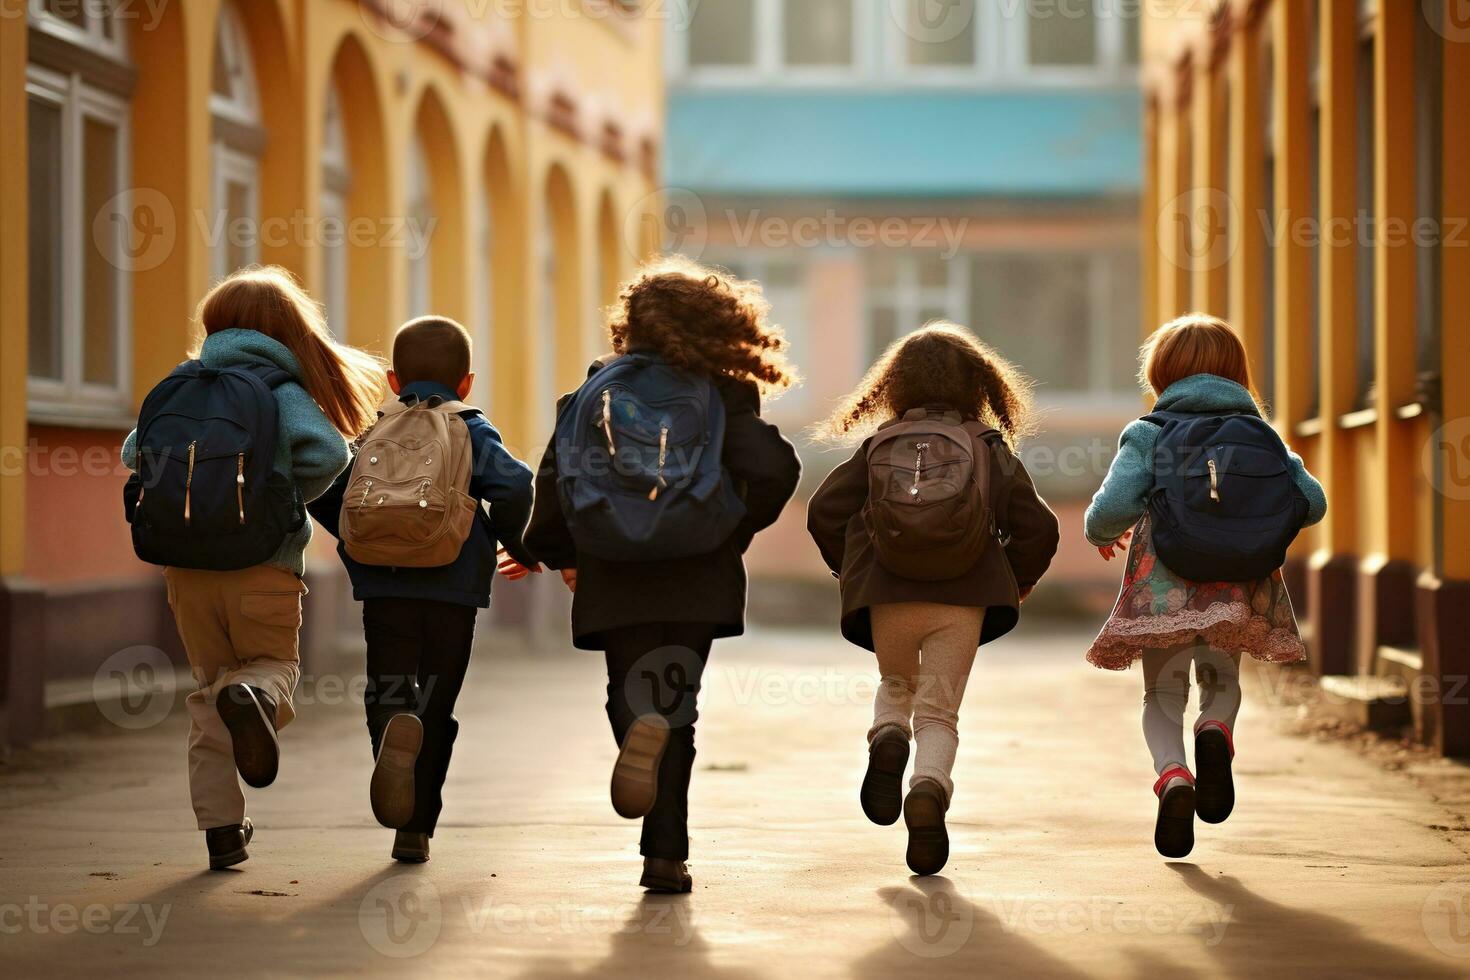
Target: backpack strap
x=272 y=375
x=1001 y=503
x=396 y=406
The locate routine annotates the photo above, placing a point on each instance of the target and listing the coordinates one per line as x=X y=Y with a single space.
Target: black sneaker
x=635 y=775
x=882 y=792
x=664 y=876
x=392 y=788
x=410 y=848
x=923 y=813
x=1174 y=826
x=250 y=715
x=227 y=844
x=1214 y=795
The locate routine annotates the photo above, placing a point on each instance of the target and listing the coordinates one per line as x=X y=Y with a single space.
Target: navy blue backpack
x=206 y=494
x=1224 y=506
x=638 y=455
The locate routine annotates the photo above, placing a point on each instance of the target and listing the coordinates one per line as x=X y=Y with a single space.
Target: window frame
x=336 y=186
x=93 y=37
x=71 y=399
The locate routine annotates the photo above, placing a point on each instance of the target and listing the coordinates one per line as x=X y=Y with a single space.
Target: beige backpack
x=407 y=504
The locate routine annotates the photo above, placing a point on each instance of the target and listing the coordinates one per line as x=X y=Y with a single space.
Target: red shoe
x=1174 y=827
x=1214 y=748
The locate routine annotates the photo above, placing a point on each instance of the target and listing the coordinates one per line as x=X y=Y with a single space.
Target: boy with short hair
x=419 y=622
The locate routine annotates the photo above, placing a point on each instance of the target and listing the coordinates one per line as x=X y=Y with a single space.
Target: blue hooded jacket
x=496 y=477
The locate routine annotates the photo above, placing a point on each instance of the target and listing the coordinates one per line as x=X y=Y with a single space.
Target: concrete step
x=1377 y=703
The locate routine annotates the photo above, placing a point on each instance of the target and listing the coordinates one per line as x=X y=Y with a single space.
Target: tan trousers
x=925 y=652
x=237 y=627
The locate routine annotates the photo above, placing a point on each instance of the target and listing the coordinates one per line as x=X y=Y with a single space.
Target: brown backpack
x=407 y=503
x=928 y=512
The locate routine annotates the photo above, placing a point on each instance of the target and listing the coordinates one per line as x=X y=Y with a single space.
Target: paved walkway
x=1330 y=866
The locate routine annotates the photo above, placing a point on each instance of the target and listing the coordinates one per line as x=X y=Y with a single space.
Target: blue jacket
x=308 y=449
x=496 y=477
x=1123 y=496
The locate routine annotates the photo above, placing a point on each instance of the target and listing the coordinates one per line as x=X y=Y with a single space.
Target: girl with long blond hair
x=240 y=626
x=1195 y=368
x=937 y=421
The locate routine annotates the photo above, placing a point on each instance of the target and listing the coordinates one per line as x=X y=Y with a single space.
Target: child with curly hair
x=693 y=353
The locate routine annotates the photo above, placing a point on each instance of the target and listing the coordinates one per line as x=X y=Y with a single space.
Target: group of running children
x=659 y=474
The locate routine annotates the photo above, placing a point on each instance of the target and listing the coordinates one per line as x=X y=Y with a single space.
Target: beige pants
x=237 y=627
x=925 y=652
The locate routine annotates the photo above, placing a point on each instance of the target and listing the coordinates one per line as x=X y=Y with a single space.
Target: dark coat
x=708 y=589
x=496 y=478
x=834 y=518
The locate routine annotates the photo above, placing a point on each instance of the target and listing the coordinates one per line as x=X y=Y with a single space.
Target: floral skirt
x=1157 y=610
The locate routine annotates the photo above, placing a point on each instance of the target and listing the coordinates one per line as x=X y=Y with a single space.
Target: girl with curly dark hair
x=656 y=609
x=936 y=535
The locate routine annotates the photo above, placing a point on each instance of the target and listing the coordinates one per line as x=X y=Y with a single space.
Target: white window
x=722 y=34
x=909 y=288
x=421 y=215
x=239 y=141
x=550 y=312
x=784 y=279
x=818 y=33
x=484 y=330
x=336 y=185
x=80 y=238
x=1061 y=32
x=781 y=40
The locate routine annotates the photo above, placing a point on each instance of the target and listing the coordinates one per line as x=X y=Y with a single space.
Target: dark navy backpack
x=206 y=494
x=1224 y=506
x=638 y=455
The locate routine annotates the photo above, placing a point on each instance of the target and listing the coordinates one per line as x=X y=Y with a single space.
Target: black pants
x=417 y=654
x=656 y=669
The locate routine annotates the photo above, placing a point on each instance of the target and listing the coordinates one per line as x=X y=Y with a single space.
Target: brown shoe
x=635 y=776
x=227 y=844
x=392 y=788
x=250 y=715
x=663 y=876
x=410 y=848
x=923 y=813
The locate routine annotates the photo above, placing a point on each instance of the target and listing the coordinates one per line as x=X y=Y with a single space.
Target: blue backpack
x=638 y=455
x=1224 y=506
x=206 y=493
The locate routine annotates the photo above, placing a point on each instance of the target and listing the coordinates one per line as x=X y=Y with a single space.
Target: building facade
x=878 y=165
x=1301 y=164
x=486 y=161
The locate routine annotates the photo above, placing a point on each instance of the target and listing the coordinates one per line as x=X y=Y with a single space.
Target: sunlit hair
x=348 y=384
x=1195 y=343
x=942 y=364
x=432 y=348
x=702 y=320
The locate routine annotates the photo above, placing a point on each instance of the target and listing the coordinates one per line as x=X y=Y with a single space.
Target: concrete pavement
x=1329 y=867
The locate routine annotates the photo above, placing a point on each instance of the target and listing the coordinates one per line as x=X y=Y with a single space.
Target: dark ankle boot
x=227 y=844
x=410 y=848
x=635 y=774
x=882 y=792
x=392 y=787
x=664 y=876
x=250 y=715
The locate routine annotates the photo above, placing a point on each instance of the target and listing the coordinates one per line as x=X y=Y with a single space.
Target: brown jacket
x=834 y=518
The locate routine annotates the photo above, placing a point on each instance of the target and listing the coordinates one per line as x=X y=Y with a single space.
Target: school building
x=877 y=165
x=1305 y=178
x=491 y=162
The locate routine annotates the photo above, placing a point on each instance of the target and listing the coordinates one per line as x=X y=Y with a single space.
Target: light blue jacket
x=309 y=449
x=1123 y=496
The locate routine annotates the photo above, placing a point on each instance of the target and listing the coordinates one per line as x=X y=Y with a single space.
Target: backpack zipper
x=240 y=485
x=189 y=481
x=918 y=467
x=365 y=491
x=607 y=420
x=423 y=490
x=663 y=455
x=1214 y=481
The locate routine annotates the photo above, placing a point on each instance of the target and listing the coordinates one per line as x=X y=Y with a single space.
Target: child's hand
x=1117 y=547
x=569 y=576
x=514 y=570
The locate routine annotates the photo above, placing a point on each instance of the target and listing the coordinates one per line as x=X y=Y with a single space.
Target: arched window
x=336 y=185
x=82 y=235
x=484 y=289
x=239 y=143
x=421 y=217
x=549 y=322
